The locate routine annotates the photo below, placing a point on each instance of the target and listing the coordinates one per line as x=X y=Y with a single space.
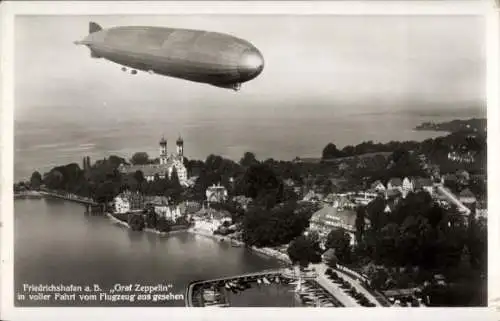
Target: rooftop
x=467 y=193
x=395 y=181
x=329 y=213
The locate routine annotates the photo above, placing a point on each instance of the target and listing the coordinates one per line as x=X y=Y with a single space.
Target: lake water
x=42 y=143
x=56 y=243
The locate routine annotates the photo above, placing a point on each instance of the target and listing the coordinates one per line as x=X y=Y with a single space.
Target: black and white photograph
x=249 y=160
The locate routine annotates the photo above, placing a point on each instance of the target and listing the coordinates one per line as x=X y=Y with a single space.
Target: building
x=128 y=202
x=329 y=218
x=481 y=213
x=169 y=212
x=192 y=181
x=407 y=186
x=86 y=163
x=162 y=207
x=378 y=187
x=216 y=194
x=463 y=177
x=395 y=183
x=467 y=197
x=211 y=220
x=289 y=182
x=313 y=196
x=166 y=166
x=339 y=201
x=423 y=184
x=460 y=157
x=363 y=198
x=243 y=201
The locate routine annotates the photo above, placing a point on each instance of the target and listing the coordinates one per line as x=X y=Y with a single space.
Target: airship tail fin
x=94 y=27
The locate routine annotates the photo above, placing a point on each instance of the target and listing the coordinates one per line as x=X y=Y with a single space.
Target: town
x=408 y=218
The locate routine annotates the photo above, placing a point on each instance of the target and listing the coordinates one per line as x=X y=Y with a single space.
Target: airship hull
x=195 y=55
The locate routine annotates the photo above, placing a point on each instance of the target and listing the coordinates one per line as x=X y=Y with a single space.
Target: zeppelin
x=201 y=56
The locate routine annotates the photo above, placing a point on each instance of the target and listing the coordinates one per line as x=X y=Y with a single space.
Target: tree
x=360 y=223
x=140 y=158
x=116 y=161
x=174 y=178
x=163 y=225
x=36 y=180
x=151 y=217
x=302 y=251
x=105 y=192
x=330 y=258
x=136 y=222
x=139 y=177
x=54 y=179
x=340 y=241
x=248 y=159
x=375 y=213
x=174 y=190
x=272 y=227
x=331 y=151
x=260 y=182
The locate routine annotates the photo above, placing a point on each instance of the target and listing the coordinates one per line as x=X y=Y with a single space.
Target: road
x=454 y=199
x=359 y=287
x=333 y=288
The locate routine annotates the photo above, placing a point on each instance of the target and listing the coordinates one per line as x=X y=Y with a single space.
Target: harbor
x=301 y=289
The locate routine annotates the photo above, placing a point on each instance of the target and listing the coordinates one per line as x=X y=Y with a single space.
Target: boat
x=259 y=281
x=266 y=281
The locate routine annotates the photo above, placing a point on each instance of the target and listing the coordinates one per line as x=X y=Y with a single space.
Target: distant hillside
x=457 y=125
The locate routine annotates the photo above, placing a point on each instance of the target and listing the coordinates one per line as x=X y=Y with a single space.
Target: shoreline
x=113 y=219
x=265 y=251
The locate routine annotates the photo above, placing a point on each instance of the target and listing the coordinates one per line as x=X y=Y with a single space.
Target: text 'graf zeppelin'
x=95 y=293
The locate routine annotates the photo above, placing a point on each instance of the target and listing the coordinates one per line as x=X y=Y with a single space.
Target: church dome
x=180 y=141
x=163 y=141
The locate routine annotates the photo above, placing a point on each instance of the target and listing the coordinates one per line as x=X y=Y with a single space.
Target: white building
x=127 y=201
x=407 y=186
x=169 y=212
x=378 y=186
x=329 y=218
x=216 y=194
x=363 y=198
x=167 y=164
x=211 y=222
x=122 y=205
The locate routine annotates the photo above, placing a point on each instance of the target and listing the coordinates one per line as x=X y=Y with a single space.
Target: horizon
x=152 y=158
x=346 y=77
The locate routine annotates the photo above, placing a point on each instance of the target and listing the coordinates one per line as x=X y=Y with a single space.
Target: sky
x=314 y=66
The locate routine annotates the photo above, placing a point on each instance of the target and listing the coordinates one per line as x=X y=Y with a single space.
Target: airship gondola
x=200 y=56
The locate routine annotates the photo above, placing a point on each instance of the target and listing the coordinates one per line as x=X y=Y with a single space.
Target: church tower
x=163 y=151
x=180 y=147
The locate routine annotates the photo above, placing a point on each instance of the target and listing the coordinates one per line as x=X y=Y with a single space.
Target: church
x=166 y=165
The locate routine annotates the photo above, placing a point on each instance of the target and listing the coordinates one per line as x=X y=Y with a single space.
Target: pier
x=69 y=197
x=55 y=194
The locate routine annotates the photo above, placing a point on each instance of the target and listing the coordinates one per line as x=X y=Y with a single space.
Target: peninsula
x=457 y=125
